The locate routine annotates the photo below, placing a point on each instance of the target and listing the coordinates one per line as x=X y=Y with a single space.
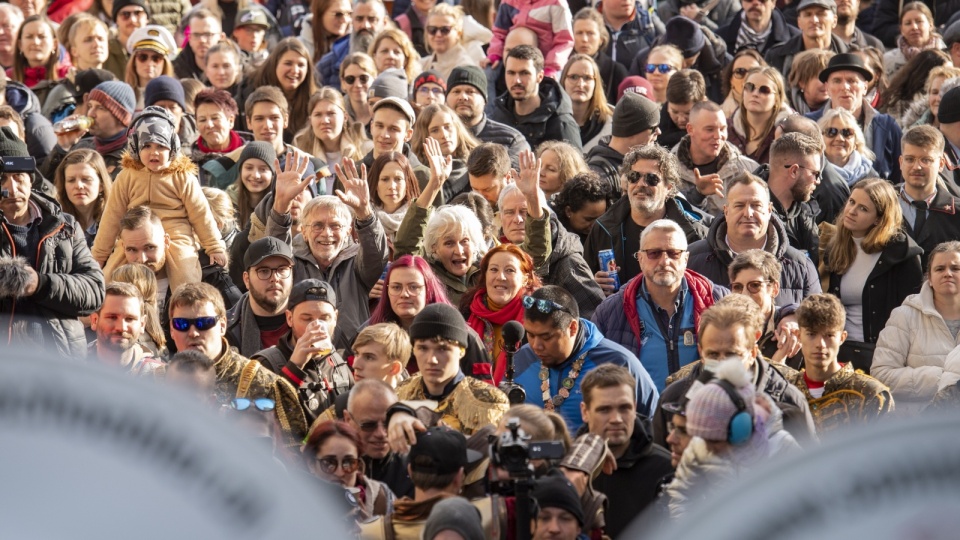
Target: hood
x=712 y=54
x=553 y=100
x=923 y=301
x=591 y=336
x=603 y=149
x=900 y=248
x=180 y=164
x=21 y=98
x=777 y=240
x=640 y=443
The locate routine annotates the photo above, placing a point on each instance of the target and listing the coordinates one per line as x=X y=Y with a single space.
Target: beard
x=265 y=301
x=664 y=279
x=360 y=41
x=844 y=19
x=110 y=342
x=802 y=193
x=649 y=204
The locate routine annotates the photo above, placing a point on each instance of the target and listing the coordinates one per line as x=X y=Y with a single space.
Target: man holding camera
x=47 y=276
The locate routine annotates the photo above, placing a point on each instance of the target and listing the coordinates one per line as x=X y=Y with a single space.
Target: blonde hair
x=221 y=207
x=598 y=102
x=352 y=136
x=395 y=341
x=946 y=72
x=143 y=278
x=446 y=10
x=411 y=57
x=842 y=251
x=845 y=116
x=571 y=159
x=540 y=425
x=672 y=52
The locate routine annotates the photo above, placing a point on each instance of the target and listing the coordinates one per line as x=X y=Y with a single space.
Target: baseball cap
x=251 y=16
x=441 y=450
x=264 y=248
x=312 y=290
x=397 y=103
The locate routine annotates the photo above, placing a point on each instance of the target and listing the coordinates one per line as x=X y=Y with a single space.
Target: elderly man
x=636 y=122
x=366 y=411
x=816 y=20
x=198 y=321
x=707 y=160
x=846 y=77
x=119 y=323
x=205 y=32
x=649 y=176
x=48 y=277
x=760 y=25
x=748 y=222
x=795 y=165
x=369 y=18
x=656 y=316
x=561 y=347
x=467 y=95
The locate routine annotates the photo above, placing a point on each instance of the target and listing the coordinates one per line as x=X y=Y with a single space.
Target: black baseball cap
x=441 y=450
x=264 y=248
x=312 y=290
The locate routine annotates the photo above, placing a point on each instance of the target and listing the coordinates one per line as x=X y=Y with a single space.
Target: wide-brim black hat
x=846 y=62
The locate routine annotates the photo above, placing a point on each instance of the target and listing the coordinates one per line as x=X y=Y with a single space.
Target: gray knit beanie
x=261 y=150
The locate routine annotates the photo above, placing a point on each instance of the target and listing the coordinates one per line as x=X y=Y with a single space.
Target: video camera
x=512 y=452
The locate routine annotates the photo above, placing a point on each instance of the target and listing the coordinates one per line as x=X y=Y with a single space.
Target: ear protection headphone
x=740 y=428
x=154 y=111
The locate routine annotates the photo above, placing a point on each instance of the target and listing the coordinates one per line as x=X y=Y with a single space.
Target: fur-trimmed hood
x=179 y=164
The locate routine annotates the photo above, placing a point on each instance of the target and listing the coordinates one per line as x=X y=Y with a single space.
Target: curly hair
x=583 y=188
x=666 y=162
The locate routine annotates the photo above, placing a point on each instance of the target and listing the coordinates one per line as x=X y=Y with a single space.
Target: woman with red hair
x=506 y=275
x=333 y=453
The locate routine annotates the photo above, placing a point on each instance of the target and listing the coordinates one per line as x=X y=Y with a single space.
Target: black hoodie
x=552 y=121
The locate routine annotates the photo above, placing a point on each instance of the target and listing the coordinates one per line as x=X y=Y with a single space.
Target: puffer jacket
x=882 y=135
x=353 y=272
x=328 y=67
x=730 y=163
x=911 y=353
x=39 y=131
x=567 y=268
x=635 y=35
x=711 y=257
x=552 y=121
x=781 y=57
x=70 y=285
x=168 y=13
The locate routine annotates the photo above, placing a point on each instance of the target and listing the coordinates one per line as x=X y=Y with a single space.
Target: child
x=549 y=19
x=171 y=189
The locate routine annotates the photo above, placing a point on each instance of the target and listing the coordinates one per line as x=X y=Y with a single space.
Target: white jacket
x=911 y=352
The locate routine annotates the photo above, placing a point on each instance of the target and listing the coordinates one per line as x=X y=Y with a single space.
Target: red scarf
x=236 y=141
x=33 y=76
x=482 y=320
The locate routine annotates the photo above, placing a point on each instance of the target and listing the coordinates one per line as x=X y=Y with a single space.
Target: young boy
x=381 y=352
x=171 y=189
x=838 y=395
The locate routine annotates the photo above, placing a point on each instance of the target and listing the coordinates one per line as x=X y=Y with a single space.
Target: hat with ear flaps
x=154 y=125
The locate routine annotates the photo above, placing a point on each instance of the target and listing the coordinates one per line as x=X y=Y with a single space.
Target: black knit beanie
x=555 y=491
x=11 y=145
x=634 y=114
x=439 y=320
x=261 y=150
x=471 y=75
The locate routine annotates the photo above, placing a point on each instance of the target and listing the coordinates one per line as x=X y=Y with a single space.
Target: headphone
x=740 y=428
x=154 y=111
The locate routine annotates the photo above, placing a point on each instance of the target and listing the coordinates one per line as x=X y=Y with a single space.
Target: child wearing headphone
x=157 y=175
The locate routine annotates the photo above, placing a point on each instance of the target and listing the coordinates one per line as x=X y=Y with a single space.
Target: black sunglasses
x=740 y=73
x=847 y=133
x=350 y=79
x=650 y=179
x=202 y=323
x=763 y=89
x=442 y=30
x=543 y=305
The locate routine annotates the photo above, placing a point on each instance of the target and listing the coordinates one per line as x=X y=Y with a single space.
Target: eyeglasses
x=319 y=227
x=350 y=79
x=925 y=161
x=372 y=425
x=202 y=324
x=655 y=254
x=329 y=464
x=147 y=57
x=816 y=174
x=261 y=404
x=650 y=179
x=131 y=14
x=846 y=133
x=437 y=91
x=543 y=305
x=662 y=68
x=763 y=89
x=580 y=78
x=752 y=286
x=442 y=30
x=671 y=427
x=740 y=73
x=396 y=289
x=265 y=272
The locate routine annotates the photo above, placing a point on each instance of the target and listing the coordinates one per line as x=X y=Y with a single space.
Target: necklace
x=551 y=403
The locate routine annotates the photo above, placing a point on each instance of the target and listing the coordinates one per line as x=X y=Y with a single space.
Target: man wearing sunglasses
x=656 y=316
x=562 y=348
x=816 y=20
x=366 y=411
x=795 y=170
x=649 y=177
x=304 y=355
x=257 y=321
x=128 y=16
x=198 y=322
x=747 y=223
x=760 y=25
x=636 y=122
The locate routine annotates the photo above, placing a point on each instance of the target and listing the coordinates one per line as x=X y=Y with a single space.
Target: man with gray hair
x=795 y=170
x=648 y=178
x=656 y=316
x=366 y=411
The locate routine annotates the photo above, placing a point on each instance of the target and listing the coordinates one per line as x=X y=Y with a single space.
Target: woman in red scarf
x=36 y=61
x=507 y=274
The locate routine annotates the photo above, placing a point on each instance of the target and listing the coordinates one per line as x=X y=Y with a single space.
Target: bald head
x=520 y=36
x=369 y=391
x=797 y=123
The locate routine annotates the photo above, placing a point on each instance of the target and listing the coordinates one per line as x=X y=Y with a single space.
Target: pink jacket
x=550 y=19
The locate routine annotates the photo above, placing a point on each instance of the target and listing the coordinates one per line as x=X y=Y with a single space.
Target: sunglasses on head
x=329 y=464
x=443 y=30
x=752 y=286
x=763 y=89
x=148 y=57
x=543 y=305
x=650 y=179
x=846 y=133
x=740 y=73
x=662 y=68
x=655 y=254
x=261 y=404
x=350 y=79
x=202 y=323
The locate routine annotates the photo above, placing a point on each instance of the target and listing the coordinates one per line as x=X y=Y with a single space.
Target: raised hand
x=528 y=181
x=289 y=182
x=710 y=184
x=356 y=192
x=440 y=166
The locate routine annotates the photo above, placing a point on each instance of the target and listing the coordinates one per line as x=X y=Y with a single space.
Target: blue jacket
x=329 y=65
x=598 y=350
x=882 y=135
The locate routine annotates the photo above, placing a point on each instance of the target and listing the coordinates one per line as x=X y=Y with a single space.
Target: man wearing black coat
x=795 y=165
x=366 y=411
x=609 y=410
x=765 y=28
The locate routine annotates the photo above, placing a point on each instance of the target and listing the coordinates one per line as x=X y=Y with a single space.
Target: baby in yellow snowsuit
x=171 y=189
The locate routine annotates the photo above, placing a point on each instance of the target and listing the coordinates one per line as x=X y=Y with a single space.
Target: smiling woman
x=289 y=68
x=36 y=61
x=917 y=33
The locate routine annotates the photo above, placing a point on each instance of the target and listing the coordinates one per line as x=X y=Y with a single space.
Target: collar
x=905 y=196
x=447 y=390
x=678 y=301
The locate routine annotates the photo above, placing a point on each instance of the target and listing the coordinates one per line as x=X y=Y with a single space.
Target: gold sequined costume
x=472 y=404
x=849 y=398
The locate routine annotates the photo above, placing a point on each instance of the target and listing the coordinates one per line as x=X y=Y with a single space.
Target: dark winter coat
x=494 y=132
x=606 y=162
x=781 y=57
x=185 y=65
x=943 y=224
x=635 y=35
x=713 y=57
x=552 y=121
x=780 y=34
x=39 y=131
x=567 y=268
x=886 y=19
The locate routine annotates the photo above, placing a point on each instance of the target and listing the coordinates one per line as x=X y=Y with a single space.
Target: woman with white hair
x=451 y=239
x=845 y=145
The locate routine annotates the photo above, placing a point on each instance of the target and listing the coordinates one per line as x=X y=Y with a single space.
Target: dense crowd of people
x=402 y=240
